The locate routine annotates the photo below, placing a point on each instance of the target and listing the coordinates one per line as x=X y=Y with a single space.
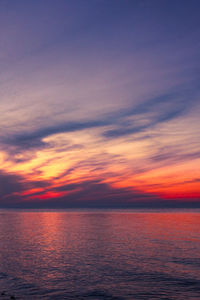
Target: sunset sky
x=100 y=103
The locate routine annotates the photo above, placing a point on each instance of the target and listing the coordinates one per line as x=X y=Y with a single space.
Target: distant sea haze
x=110 y=255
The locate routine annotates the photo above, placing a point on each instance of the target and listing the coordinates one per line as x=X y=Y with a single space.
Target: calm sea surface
x=100 y=255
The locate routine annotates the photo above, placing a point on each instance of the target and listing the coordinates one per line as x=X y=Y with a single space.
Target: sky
x=100 y=103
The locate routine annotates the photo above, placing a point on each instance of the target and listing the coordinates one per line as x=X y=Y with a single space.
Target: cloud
x=174 y=155
x=12 y=187
x=34 y=139
x=95 y=102
x=94 y=194
x=9 y=184
x=153 y=112
x=15 y=191
x=88 y=194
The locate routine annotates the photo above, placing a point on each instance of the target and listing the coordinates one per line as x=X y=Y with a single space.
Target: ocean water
x=100 y=255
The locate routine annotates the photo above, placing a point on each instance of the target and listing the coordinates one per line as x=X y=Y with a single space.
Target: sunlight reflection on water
x=100 y=255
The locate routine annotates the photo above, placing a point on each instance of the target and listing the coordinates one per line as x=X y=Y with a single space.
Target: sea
x=99 y=254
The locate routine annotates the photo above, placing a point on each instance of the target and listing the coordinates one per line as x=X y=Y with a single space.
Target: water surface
x=100 y=255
